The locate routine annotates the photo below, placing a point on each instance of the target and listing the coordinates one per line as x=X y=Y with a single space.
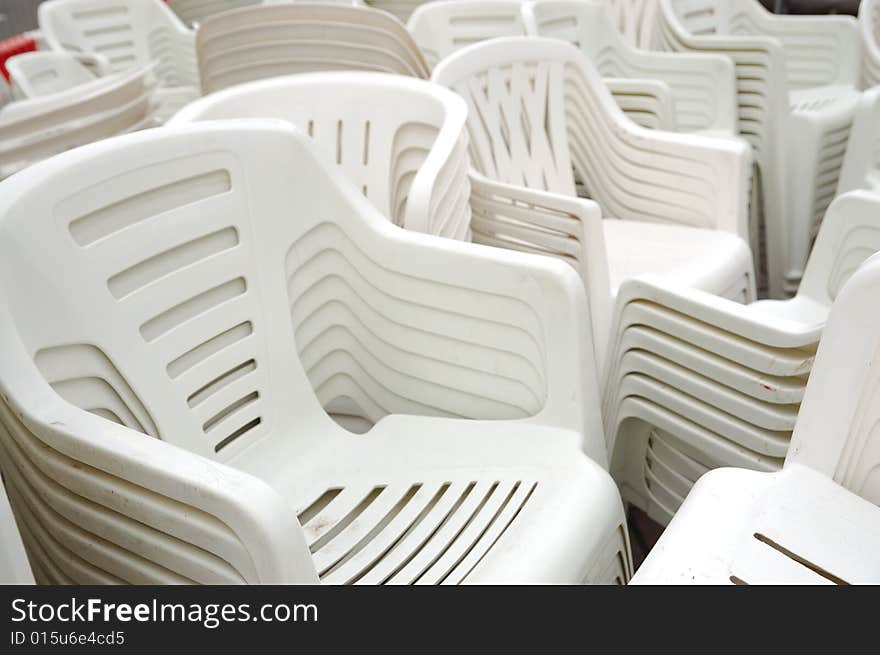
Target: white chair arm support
x=439 y=191
x=752 y=322
x=647 y=102
x=564 y=227
x=552 y=309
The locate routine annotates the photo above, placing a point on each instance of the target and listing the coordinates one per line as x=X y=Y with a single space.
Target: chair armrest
x=647 y=102
x=519 y=308
x=437 y=200
x=542 y=222
x=657 y=176
x=757 y=322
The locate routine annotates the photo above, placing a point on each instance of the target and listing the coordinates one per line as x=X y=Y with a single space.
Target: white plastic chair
x=441 y=28
x=637 y=21
x=869 y=31
x=36 y=128
x=35 y=74
x=817 y=521
x=538 y=115
x=166 y=431
x=151 y=35
x=272 y=40
x=797 y=93
x=699 y=87
x=696 y=382
x=401 y=141
x=192 y=12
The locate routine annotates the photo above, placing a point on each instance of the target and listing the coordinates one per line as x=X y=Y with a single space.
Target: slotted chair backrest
x=837 y=428
x=270 y=40
x=182 y=256
x=392 y=135
x=128 y=33
x=538 y=111
x=441 y=28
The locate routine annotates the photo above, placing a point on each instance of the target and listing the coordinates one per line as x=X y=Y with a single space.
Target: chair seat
x=442 y=511
x=795 y=526
x=709 y=260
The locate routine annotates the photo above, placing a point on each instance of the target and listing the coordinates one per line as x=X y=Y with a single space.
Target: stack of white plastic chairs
x=539 y=115
x=118 y=35
x=270 y=40
x=57 y=118
x=817 y=521
x=165 y=431
x=696 y=382
x=687 y=92
x=797 y=80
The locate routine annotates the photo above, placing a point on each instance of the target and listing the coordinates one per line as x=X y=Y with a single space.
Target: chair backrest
x=636 y=21
x=127 y=33
x=42 y=73
x=861 y=164
x=402 y=141
x=181 y=251
x=195 y=11
x=837 y=429
x=441 y=28
x=539 y=113
x=270 y=40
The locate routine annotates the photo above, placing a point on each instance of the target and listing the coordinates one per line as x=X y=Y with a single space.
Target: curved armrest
x=437 y=201
x=552 y=224
x=534 y=305
x=647 y=102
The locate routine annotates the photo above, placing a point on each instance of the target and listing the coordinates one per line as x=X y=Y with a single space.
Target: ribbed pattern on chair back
x=266 y=41
x=380 y=130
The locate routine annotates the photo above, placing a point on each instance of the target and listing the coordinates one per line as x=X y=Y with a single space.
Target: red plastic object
x=14 y=46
